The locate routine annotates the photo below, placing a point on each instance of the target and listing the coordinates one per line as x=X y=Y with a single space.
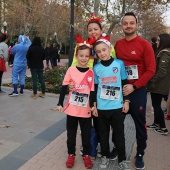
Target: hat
x=94 y=18
x=105 y=38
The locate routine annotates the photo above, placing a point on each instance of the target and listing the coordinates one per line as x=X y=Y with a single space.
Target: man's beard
x=129 y=34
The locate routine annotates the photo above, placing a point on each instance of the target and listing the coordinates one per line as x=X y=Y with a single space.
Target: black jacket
x=54 y=52
x=35 y=57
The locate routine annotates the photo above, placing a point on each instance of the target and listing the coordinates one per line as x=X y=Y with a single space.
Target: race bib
x=132 y=72
x=79 y=99
x=110 y=92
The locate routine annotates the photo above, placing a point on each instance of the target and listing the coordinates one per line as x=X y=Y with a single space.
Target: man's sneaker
x=104 y=163
x=123 y=165
x=34 y=96
x=153 y=126
x=81 y=150
x=42 y=95
x=160 y=131
x=99 y=155
x=13 y=94
x=87 y=162
x=2 y=92
x=167 y=117
x=139 y=163
x=70 y=161
x=113 y=154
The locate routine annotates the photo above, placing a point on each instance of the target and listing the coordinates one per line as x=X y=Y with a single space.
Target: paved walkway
x=36 y=138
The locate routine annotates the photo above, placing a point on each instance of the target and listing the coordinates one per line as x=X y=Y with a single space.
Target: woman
x=3 y=56
x=35 y=57
x=160 y=83
x=94 y=29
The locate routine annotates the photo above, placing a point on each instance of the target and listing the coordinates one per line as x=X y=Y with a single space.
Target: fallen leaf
x=4 y=126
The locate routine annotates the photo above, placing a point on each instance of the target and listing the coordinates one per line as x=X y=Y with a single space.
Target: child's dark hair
x=97 y=43
x=3 y=37
x=95 y=22
x=83 y=47
x=130 y=14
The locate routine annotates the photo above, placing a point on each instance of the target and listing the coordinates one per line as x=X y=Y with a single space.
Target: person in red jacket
x=138 y=57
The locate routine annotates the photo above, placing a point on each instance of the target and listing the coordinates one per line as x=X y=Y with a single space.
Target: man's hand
x=127 y=89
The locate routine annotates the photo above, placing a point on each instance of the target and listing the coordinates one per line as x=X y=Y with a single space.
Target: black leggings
x=1 y=73
x=158 y=112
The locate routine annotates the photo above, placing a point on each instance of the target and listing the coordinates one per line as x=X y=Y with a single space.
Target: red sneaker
x=70 y=161
x=167 y=117
x=87 y=162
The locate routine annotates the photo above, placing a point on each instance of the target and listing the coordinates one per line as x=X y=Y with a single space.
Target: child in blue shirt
x=109 y=77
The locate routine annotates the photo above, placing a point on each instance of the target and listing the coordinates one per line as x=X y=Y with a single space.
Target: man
x=138 y=57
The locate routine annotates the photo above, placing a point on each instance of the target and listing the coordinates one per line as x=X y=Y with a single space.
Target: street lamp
x=5 y=26
x=71 y=50
x=55 y=37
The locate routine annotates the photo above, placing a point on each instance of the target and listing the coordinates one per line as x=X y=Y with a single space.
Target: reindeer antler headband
x=88 y=42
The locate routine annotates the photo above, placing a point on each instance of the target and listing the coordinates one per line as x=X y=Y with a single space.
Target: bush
x=53 y=79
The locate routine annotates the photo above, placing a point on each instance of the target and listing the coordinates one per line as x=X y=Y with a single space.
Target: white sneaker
x=81 y=150
x=123 y=166
x=104 y=163
x=13 y=94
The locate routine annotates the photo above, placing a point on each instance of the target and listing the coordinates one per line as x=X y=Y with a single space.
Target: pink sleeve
x=67 y=77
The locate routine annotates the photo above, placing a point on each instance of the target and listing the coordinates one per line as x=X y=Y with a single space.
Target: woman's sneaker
x=41 y=95
x=160 y=131
x=87 y=162
x=104 y=164
x=153 y=126
x=13 y=94
x=70 y=161
x=123 y=165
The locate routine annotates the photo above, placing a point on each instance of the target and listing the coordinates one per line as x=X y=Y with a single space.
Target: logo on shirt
x=115 y=70
x=109 y=80
x=89 y=79
x=140 y=108
x=133 y=52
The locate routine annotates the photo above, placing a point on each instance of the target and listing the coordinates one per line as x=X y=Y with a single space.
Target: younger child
x=79 y=103
x=110 y=76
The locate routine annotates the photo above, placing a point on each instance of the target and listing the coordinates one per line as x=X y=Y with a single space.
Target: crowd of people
x=26 y=54
x=106 y=83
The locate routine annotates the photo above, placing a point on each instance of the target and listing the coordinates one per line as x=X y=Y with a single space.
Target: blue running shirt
x=109 y=80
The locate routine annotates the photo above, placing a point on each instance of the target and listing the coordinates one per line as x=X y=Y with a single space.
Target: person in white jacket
x=3 y=56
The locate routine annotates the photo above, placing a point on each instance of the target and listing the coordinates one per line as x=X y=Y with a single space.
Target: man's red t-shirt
x=138 y=55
